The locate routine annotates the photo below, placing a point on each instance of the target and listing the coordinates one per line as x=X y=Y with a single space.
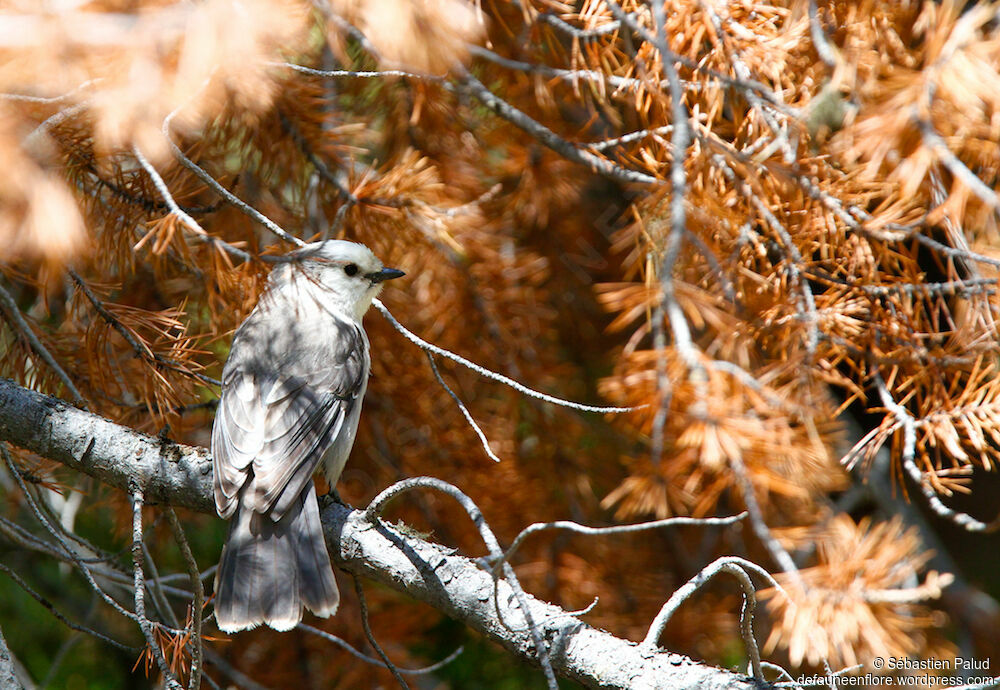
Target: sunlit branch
x=378 y=504
x=572 y=76
x=906 y=422
x=197 y=602
x=957 y=168
x=483 y=371
x=222 y=191
x=738 y=568
x=34 y=138
x=140 y=589
x=827 y=53
x=546 y=136
x=188 y=222
x=577 y=528
x=464 y=410
x=355 y=74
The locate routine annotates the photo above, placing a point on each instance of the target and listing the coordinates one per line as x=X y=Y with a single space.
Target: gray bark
x=455 y=585
x=8 y=672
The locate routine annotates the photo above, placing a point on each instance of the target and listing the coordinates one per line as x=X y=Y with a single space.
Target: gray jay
x=291 y=398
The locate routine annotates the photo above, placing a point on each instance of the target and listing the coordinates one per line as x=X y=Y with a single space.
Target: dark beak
x=384 y=274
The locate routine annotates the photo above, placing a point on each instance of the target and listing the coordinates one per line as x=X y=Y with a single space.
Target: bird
x=292 y=388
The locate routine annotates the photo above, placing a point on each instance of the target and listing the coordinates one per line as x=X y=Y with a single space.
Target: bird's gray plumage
x=291 y=397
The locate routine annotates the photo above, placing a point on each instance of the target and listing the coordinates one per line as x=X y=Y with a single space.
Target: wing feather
x=271 y=430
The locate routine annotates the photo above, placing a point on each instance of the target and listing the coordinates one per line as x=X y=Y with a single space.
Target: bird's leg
x=332 y=494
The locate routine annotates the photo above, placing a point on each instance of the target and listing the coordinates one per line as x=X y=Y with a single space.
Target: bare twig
x=222 y=191
x=546 y=136
x=141 y=350
x=616 y=529
x=68 y=550
x=355 y=74
x=198 y=602
x=824 y=49
x=957 y=168
x=738 y=568
x=465 y=411
x=371 y=638
x=906 y=422
x=343 y=644
x=483 y=371
x=59 y=616
x=32 y=140
x=378 y=504
x=9 y=307
x=188 y=222
x=140 y=589
x=759 y=525
x=568 y=75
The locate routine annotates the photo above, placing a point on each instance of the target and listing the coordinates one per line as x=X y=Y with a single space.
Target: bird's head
x=349 y=273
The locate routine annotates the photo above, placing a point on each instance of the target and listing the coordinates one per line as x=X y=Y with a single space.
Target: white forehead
x=342 y=250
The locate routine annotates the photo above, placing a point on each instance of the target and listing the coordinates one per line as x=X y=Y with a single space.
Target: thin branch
x=567 y=28
x=957 y=168
x=355 y=74
x=569 y=75
x=222 y=191
x=604 y=145
x=69 y=551
x=482 y=371
x=759 y=525
x=241 y=680
x=577 y=528
x=465 y=411
x=33 y=139
x=141 y=350
x=197 y=604
x=343 y=644
x=9 y=307
x=906 y=422
x=795 y=262
x=377 y=505
x=371 y=638
x=59 y=616
x=189 y=222
x=140 y=590
x=824 y=49
x=163 y=609
x=738 y=568
x=546 y=136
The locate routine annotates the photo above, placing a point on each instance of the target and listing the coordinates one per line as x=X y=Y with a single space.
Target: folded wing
x=271 y=431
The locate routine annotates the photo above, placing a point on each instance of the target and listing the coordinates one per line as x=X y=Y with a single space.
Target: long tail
x=269 y=570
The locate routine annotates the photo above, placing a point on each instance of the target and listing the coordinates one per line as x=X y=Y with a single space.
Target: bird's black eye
x=351 y=269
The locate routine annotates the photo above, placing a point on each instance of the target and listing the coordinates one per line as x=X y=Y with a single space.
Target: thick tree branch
x=8 y=675
x=455 y=585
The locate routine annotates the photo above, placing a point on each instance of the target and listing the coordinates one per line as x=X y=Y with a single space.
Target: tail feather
x=269 y=570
